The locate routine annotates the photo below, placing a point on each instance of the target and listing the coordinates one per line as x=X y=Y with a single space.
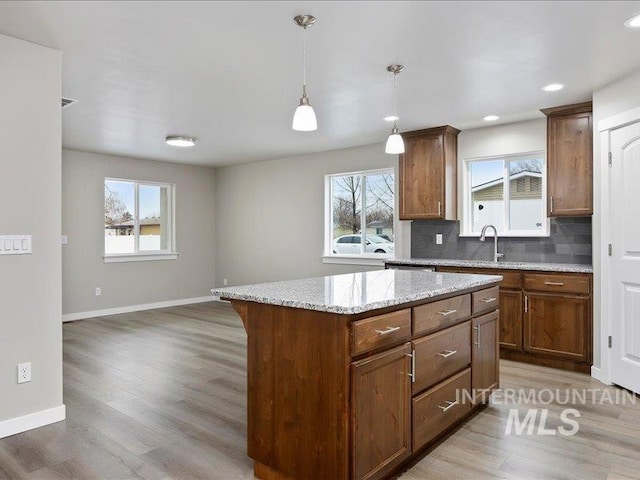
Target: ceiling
x=229 y=73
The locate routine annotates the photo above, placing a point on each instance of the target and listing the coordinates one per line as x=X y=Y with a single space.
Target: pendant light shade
x=304 y=118
x=395 y=144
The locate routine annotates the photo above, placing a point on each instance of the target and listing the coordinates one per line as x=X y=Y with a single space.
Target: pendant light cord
x=395 y=102
x=304 y=61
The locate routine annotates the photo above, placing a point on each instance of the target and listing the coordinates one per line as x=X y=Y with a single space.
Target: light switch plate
x=15 y=244
x=438 y=239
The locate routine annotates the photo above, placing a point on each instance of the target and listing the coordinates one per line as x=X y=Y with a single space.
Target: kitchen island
x=354 y=376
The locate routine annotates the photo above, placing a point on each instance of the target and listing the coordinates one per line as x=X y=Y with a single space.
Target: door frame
x=602 y=277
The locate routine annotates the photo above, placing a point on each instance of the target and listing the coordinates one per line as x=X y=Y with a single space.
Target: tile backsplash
x=569 y=242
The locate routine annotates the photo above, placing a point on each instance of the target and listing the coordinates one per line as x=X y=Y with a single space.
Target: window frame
x=361 y=258
x=169 y=253
x=467 y=200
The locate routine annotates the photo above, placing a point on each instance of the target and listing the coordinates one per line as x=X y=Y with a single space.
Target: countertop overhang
x=354 y=293
x=529 y=266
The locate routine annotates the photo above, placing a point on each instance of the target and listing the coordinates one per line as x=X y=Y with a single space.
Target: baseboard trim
x=599 y=375
x=32 y=420
x=70 y=317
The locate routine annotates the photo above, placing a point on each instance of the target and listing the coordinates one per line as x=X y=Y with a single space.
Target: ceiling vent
x=67 y=101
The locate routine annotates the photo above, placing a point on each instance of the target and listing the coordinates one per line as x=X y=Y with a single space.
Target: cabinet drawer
x=485 y=300
x=381 y=331
x=437 y=409
x=441 y=354
x=434 y=316
x=558 y=283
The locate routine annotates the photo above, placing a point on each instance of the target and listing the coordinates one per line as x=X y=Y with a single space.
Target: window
x=360 y=214
x=508 y=192
x=138 y=220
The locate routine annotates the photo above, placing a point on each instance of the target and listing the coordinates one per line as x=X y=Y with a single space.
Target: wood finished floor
x=162 y=394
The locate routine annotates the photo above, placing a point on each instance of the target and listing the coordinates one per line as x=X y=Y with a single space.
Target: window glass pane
x=119 y=214
x=346 y=207
x=525 y=194
x=487 y=194
x=379 y=196
x=154 y=210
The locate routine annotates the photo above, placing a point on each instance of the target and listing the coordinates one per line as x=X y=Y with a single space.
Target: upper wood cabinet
x=428 y=174
x=569 y=160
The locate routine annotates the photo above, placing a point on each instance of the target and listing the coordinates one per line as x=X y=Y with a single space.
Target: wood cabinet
x=569 y=160
x=545 y=317
x=360 y=396
x=428 y=174
x=511 y=319
x=485 y=355
x=381 y=398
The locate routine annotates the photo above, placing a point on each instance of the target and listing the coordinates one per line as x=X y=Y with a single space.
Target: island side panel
x=298 y=392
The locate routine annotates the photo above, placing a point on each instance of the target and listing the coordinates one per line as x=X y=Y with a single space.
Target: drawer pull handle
x=387 y=330
x=446 y=313
x=488 y=300
x=447 y=353
x=449 y=403
x=413 y=365
x=555 y=284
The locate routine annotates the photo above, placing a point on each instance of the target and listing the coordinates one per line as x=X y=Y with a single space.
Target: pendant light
x=304 y=119
x=395 y=144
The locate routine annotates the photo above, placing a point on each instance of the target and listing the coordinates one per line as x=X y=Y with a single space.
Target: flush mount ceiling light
x=304 y=118
x=633 y=22
x=553 y=87
x=180 y=141
x=395 y=144
x=490 y=118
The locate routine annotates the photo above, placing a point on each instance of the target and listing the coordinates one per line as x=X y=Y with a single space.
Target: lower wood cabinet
x=545 y=317
x=558 y=325
x=511 y=319
x=485 y=355
x=381 y=409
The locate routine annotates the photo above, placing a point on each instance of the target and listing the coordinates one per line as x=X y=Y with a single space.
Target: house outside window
x=508 y=192
x=360 y=215
x=138 y=220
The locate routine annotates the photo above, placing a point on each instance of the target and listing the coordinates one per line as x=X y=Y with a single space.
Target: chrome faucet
x=483 y=237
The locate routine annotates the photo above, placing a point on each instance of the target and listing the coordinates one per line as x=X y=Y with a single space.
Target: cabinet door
x=381 y=409
x=570 y=165
x=558 y=326
x=485 y=358
x=511 y=319
x=422 y=174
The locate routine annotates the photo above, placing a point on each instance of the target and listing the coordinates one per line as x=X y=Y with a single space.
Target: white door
x=625 y=267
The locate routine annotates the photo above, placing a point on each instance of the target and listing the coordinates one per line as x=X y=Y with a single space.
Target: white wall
x=270 y=215
x=30 y=291
x=507 y=139
x=610 y=100
x=135 y=283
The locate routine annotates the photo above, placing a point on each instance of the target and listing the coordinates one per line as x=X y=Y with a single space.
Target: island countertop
x=354 y=293
x=529 y=266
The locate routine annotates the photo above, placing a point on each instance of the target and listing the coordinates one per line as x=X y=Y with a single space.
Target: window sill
x=139 y=257
x=355 y=260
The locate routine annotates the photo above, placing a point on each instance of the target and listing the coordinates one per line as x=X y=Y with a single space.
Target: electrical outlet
x=224 y=281
x=24 y=372
x=438 y=239
x=98 y=291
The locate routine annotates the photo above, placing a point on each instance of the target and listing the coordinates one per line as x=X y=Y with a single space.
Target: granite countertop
x=532 y=266
x=357 y=292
